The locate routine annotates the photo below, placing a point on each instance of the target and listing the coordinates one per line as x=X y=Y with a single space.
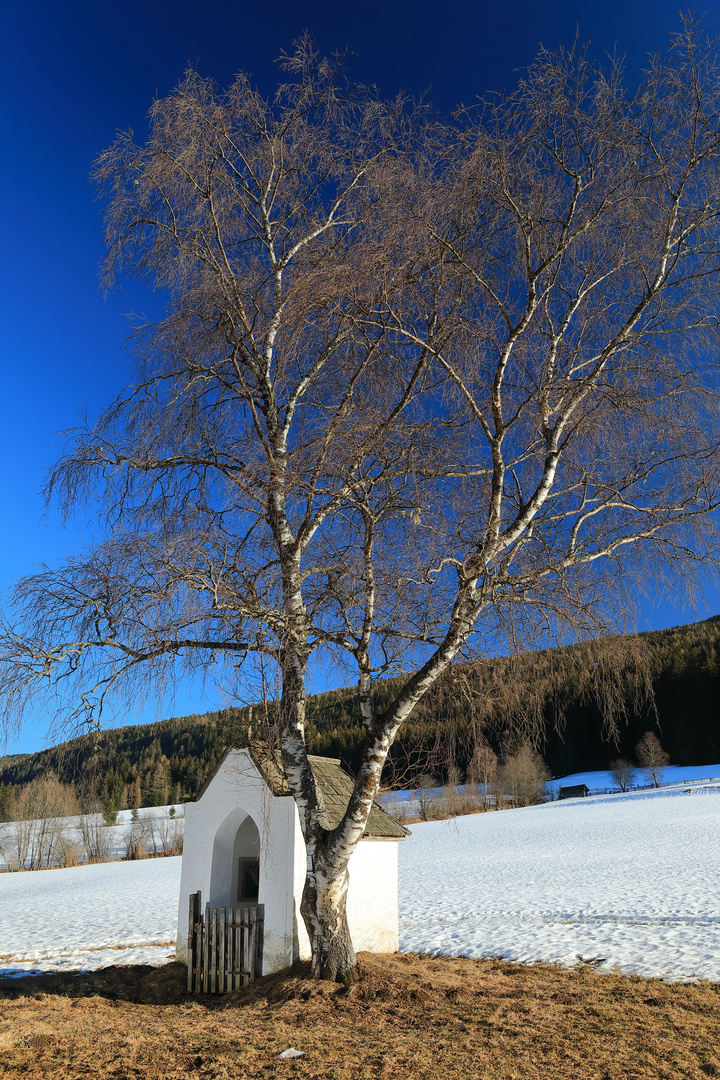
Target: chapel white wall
x=372 y=900
x=372 y=904
x=211 y=825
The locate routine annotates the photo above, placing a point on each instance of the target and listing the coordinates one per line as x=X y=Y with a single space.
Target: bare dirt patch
x=407 y=1018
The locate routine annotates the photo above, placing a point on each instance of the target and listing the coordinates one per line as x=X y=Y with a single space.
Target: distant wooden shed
x=575 y=791
x=243 y=844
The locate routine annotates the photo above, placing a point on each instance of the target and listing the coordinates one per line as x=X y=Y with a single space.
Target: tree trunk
x=323 y=904
x=323 y=909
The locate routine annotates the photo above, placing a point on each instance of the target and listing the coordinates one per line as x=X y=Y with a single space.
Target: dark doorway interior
x=248 y=879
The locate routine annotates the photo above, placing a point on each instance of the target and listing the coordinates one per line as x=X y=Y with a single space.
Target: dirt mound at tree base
x=394 y=977
x=381 y=978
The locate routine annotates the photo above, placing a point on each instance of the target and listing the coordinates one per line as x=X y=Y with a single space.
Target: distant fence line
x=652 y=787
x=417 y=802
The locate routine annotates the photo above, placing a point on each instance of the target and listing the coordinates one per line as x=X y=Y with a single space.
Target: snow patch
x=88 y=917
x=632 y=884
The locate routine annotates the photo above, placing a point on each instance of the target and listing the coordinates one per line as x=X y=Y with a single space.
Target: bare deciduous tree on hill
x=39 y=835
x=482 y=770
x=651 y=757
x=96 y=835
x=623 y=773
x=419 y=387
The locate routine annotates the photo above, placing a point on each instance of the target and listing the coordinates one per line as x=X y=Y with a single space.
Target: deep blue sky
x=75 y=72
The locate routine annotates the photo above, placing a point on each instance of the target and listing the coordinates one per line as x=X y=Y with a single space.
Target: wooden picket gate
x=224 y=946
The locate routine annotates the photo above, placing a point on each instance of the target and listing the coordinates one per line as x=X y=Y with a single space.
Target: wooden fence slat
x=195 y=917
x=241 y=939
x=239 y=948
x=224 y=946
x=213 y=952
x=246 y=945
x=206 y=952
x=233 y=959
x=221 y=951
x=191 y=941
x=230 y=958
x=260 y=938
x=252 y=931
x=198 y=950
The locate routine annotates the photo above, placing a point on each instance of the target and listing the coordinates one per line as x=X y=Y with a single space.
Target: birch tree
x=421 y=387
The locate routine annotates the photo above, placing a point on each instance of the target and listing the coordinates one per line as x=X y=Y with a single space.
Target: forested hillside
x=565 y=701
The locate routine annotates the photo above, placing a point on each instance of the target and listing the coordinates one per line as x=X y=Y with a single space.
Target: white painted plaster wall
x=302 y=949
x=237 y=792
x=372 y=902
x=373 y=896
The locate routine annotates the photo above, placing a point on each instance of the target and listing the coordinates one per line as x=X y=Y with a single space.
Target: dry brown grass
x=408 y=1018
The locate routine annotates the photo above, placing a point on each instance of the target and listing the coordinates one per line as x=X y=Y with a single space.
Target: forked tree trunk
x=324 y=911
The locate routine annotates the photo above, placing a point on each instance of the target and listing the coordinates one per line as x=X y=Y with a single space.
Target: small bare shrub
x=139 y=840
x=457 y=799
x=430 y=801
x=400 y=809
x=71 y=850
x=482 y=772
x=96 y=837
x=522 y=777
x=623 y=773
x=168 y=833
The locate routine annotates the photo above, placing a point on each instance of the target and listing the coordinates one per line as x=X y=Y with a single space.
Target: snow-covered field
x=87 y=917
x=632 y=882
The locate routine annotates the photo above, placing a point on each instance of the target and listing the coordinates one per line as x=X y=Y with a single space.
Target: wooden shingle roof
x=334 y=788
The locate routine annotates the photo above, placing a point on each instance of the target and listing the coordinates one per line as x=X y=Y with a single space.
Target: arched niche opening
x=235 y=877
